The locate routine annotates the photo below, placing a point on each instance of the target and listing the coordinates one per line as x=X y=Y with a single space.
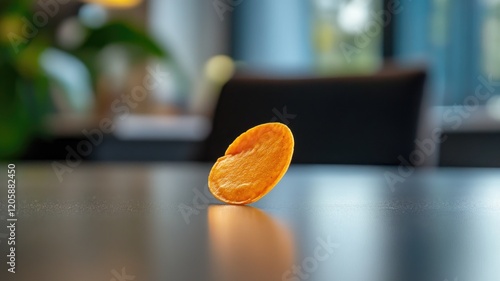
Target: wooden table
x=157 y=222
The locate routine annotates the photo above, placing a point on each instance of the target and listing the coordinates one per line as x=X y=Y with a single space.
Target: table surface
x=158 y=222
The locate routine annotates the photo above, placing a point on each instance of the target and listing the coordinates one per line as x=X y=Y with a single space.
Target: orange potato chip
x=252 y=165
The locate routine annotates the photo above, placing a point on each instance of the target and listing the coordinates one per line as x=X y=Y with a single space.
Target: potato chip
x=252 y=165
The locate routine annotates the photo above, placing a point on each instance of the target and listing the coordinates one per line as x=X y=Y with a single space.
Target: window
x=325 y=36
x=458 y=40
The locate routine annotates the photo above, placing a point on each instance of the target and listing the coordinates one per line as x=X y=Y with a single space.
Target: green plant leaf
x=15 y=126
x=120 y=32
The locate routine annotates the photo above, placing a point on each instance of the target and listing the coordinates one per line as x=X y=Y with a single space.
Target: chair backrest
x=468 y=148
x=343 y=120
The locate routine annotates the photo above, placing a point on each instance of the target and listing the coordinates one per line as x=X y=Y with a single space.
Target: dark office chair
x=469 y=148
x=345 y=120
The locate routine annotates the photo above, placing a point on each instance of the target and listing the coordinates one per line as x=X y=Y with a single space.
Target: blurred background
x=140 y=79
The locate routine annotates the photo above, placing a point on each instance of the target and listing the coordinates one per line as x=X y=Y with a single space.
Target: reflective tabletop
x=116 y=222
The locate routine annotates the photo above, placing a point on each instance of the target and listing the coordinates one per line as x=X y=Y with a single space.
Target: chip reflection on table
x=248 y=244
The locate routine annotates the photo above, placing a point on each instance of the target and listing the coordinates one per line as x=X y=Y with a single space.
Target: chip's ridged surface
x=253 y=164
